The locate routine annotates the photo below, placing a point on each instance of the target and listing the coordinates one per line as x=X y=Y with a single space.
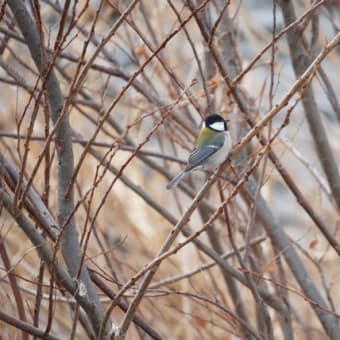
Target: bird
x=212 y=148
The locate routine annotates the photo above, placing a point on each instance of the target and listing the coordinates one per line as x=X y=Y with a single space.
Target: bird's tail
x=176 y=180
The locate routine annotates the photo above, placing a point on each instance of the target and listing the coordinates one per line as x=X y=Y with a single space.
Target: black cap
x=212 y=121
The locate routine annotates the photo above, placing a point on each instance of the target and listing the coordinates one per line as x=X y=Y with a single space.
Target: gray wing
x=199 y=155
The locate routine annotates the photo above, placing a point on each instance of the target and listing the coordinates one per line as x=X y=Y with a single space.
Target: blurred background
x=138 y=79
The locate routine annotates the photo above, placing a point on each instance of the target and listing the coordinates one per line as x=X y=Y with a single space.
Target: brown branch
x=301 y=62
x=70 y=245
x=14 y=285
x=25 y=327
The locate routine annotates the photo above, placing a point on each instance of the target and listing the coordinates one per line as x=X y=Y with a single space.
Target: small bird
x=211 y=148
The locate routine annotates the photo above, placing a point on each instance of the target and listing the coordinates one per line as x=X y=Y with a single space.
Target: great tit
x=211 y=148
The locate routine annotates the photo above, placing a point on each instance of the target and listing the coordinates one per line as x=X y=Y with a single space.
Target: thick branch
x=300 y=62
x=25 y=327
x=63 y=278
x=69 y=241
x=282 y=243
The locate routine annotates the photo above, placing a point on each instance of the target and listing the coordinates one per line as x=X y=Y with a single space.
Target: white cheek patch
x=218 y=126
